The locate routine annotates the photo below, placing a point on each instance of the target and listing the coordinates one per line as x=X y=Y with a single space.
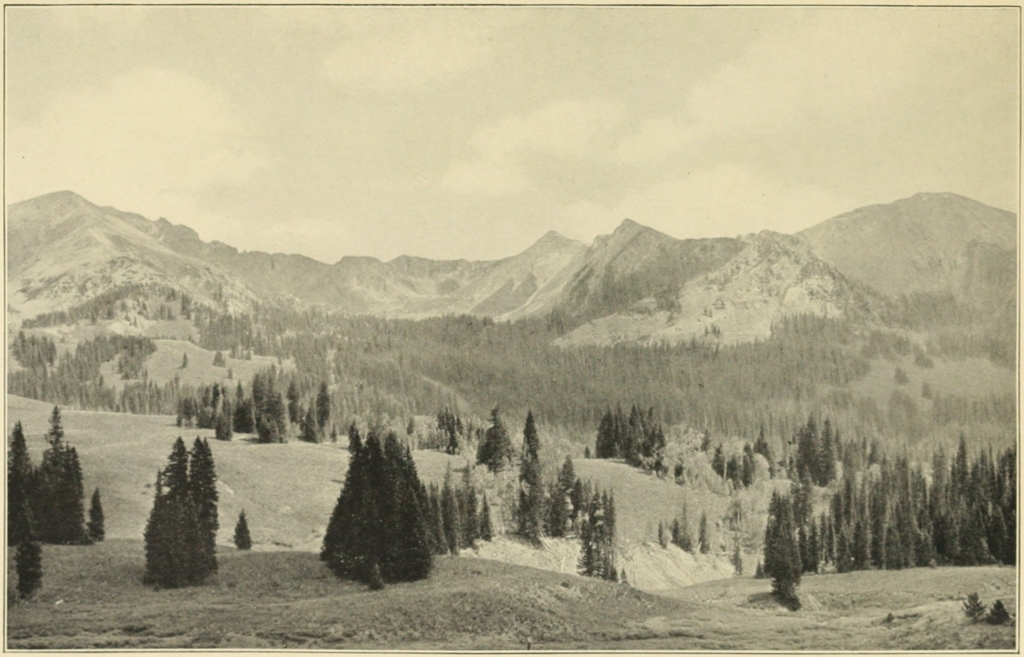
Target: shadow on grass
x=769 y=600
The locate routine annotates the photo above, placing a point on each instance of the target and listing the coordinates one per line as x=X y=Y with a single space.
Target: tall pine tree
x=19 y=489
x=531 y=493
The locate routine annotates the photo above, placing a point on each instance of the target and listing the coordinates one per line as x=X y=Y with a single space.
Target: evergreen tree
x=452 y=514
x=495 y=451
x=203 y=487
x=96 y=530
x=294 y=412
x=531 y=494
x=486 y=532
x=560 y=508
x=323 y=407
x=19 y=489
x=377 y=532
x=470 y=512
x=310 y=431
x=781 y=554
x=222 y=424
x=28 y=562
x=704 y=541
x=243 y=541
x=58 y=508
x=607 y=442
x=180 y=530
x=737 y=560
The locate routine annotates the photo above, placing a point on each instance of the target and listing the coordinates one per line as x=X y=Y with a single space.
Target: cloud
x=151 y=140
x=484 y=176
x=409 y=50
x=572 y=130
x=825 y=70
x=726 y=200
x=656 y=139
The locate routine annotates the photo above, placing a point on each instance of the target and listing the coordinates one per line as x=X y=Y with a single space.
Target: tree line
x=890 y=516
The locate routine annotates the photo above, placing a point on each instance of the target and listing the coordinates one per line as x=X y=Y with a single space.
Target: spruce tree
x=28 y=562
x=470 y=511
x=531 y=492
x=310 y=431
x=495 y=451
x=781 y=554
x=486 y=532
x=452 y=514
x=243 y=541
x=294 y=411
x=203 y=487
x=323 y=407
x=19 y=489
x=377 y=532
x=179 y=547
x=703 y=538
x=96 y=530
x=58 y=508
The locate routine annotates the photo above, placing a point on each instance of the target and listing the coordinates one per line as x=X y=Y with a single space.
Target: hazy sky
x=469 y=132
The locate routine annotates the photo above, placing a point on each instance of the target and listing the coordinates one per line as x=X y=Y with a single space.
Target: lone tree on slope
x=96 y=531
x=243 y=541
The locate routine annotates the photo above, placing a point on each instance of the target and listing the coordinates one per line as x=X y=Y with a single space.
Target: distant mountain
x=770 y=275
x=66 y=250
x=636 y=262
x=63 y=251
x=636 y=284
x=932 y=243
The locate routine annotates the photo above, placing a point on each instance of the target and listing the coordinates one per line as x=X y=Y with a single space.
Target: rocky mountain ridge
x=636 y=284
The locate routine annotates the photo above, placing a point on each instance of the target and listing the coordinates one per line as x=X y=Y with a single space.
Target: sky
x=469 y=132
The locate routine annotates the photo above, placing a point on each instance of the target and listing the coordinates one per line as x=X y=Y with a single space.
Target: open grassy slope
x=92 y=597
x=916 y=609
x=287 y=490
x=290 y=599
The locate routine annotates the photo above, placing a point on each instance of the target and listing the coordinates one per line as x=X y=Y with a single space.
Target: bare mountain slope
x=64 y=250
x=636 y=262
x=925 y=243
x=773 y=275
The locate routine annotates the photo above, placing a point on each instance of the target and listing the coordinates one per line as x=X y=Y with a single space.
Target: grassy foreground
x=92 y=597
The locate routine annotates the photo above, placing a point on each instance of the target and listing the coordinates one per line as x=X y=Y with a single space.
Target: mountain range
x=636 y=284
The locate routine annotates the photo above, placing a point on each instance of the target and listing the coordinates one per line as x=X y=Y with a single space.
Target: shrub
x=973 y=608
x=998 y=615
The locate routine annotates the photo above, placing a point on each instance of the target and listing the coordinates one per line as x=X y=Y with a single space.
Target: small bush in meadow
x=973 y=608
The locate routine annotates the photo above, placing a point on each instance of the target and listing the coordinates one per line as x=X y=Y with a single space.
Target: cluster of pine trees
x=45 y=504
x=890 y=515
x=816 y=452
x=456 y=516
x=896 y=518
x=639 y=440
x=597 y=538
x=378 y=531
x=209 y=409
x=180 y=536
x=262 y=412
x=48 y=502
x=739 y=469
x=679 y=534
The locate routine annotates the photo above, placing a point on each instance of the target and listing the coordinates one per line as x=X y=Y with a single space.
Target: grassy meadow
x=92 y=598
